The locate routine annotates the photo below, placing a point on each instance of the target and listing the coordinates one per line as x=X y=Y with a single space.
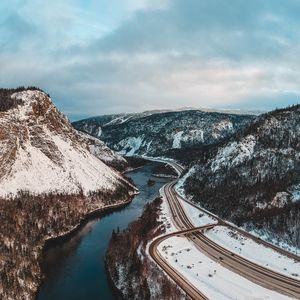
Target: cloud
x=98 y=57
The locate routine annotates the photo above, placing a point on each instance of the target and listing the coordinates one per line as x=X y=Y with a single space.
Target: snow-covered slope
x=100 y=150
x=160 y=133
x=253 y=177
x=41 y=152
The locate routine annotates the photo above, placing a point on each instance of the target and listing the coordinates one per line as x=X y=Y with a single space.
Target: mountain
x=252 y=177
x=162 y=133
x=42 y=153
x=52 y=178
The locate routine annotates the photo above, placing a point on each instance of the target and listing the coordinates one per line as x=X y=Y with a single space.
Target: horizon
x=99 y=57
x=180 y=109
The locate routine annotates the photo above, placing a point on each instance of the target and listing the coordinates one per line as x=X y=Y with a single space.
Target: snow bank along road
x=240 y=265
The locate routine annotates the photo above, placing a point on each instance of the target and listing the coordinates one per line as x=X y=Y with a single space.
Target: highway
x=240 y=265
x=186 y=286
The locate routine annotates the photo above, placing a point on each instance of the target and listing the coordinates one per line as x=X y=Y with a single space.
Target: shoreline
x=54 y=241
x=97 y=213
x=133 y=169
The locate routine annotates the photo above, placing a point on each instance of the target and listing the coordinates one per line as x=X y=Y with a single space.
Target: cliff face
x=253 y=177
x=51 y=177
x=163 y=133
x=41 y=152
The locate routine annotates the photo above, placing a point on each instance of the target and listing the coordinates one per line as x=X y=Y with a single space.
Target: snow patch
x=35 y=172
x=197 y=217
x=177 y=140
x=179 y=187
x=130 y=145
x=280 y=199
x=295 y=192
x=251 y=250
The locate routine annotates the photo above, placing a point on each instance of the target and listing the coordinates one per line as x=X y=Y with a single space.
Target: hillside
x=162 y=133
x=253 y=177
x=51 y=178
x=42 y=153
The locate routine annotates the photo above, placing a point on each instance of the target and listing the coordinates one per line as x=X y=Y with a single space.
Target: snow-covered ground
x=166 y=216
x=197 y=217
x=177 y=140
x=272 y=238
x=35 y=172
x=258 y=253
x=211 y=278
x=131 y=143
x=100 y=150
x=234 y=153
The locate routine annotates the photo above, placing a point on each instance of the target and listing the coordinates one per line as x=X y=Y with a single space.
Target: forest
x=253 y=176
x=27 y=221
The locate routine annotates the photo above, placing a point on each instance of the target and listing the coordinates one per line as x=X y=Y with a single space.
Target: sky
x=99 y=57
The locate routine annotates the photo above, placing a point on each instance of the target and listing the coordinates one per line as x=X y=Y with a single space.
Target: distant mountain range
x=158 y=133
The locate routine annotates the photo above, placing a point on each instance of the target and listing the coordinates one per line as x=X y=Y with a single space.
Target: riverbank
x=98 y=213
x=135 y=163
x=132 y=272
x=63 y=237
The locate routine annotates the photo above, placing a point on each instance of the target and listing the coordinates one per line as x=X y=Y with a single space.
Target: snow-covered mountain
x=254 y=175
x=159 y=133
x=42 y=153
x=52 y=178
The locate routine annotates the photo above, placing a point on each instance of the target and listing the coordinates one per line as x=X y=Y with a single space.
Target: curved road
x=189 y=288
x=254 y=272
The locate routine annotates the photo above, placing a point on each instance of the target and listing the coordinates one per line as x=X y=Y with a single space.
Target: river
x=75 y=269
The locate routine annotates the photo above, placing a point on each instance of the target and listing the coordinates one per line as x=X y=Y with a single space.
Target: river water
x=75 y=269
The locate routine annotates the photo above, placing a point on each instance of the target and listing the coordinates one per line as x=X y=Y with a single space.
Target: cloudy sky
x=109 y=56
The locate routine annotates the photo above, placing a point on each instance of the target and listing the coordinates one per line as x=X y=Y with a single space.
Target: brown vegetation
x=27 y=221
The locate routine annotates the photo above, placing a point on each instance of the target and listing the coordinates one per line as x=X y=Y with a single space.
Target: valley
x=233 y=151
x=149 y=150
x=217 y=178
